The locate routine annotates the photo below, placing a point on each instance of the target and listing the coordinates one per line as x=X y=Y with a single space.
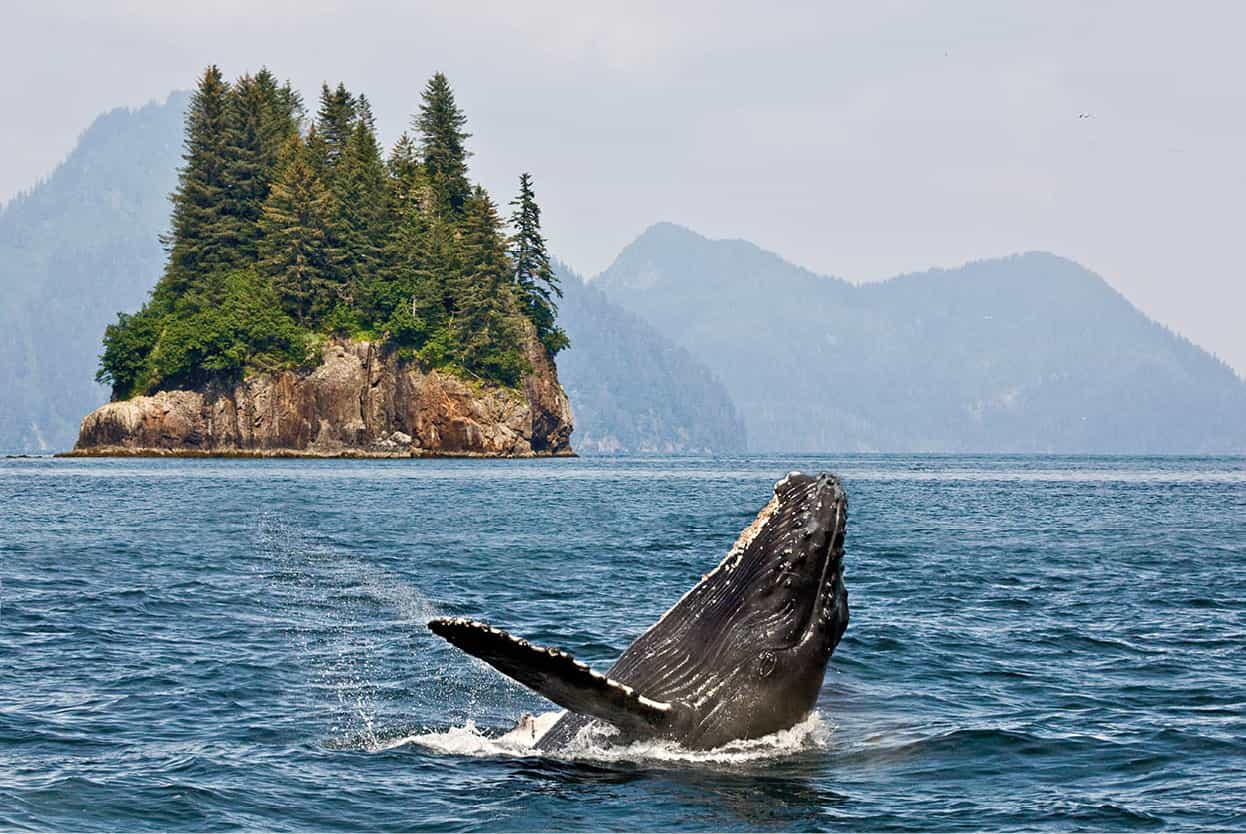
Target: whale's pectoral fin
x=557 y=676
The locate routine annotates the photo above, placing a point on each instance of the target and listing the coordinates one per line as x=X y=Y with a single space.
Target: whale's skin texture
x=741 y=655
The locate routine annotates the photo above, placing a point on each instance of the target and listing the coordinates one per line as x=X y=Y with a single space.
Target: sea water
x=1035 y=642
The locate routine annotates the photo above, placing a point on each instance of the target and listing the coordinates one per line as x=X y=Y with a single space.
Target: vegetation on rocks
x=287 y=229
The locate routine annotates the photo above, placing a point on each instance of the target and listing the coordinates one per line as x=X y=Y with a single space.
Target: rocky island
x=360 y=402
x=322 y=300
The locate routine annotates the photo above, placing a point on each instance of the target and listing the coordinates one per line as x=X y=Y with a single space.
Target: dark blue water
x=1039 y=643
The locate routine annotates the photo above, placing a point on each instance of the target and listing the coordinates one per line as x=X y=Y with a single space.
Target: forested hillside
x=74 y=250
x=634 y=390
x=1029 y=353
x=281 y=236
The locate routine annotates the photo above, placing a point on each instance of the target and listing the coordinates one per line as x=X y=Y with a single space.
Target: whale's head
x=784 y=576
x=744 y=652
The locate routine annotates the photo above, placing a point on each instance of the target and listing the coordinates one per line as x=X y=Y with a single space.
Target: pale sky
x=860 y=140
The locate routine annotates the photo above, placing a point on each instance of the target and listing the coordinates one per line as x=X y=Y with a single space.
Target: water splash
x=595 y=744
x=351 y=621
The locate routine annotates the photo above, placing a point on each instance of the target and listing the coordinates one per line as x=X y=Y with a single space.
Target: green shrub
x=126 y=361
x=195 y=343
x=342 y=320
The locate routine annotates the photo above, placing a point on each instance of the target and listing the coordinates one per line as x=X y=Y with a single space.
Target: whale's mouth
x=805 y=539
x=830 y=583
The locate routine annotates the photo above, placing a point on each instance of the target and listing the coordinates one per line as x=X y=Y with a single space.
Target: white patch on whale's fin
x=557 y=676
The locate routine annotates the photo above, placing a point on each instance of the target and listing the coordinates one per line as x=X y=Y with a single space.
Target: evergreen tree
x=440 y=125
x=430 y=281
x=483 y=325
x=317 y=153
x=260 y=119
x=394 y=284
x=403 y=167
x=282 y=115
x=534 y=277
x=335 y=120
x=246 y=173
x=364 y=218
x=296 y=250
x=195 y=242
x=363 y=112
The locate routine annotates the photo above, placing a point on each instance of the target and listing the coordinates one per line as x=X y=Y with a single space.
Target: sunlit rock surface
x=361 y=401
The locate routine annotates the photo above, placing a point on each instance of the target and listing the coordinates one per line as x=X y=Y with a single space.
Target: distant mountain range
x=1028 y=353
x=683 y=345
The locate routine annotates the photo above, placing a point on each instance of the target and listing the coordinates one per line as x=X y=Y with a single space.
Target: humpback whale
x=741 y=655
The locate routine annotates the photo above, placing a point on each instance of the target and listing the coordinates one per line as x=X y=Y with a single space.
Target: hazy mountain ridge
x=74 y=250
x=1028 y=353
x=632 y=389
x=681 y=341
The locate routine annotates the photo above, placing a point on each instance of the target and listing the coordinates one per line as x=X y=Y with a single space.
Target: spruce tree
x=363 y=112
x=335 y=120
x=282 y=114
x=403 y=166
x=296 y=251
x=483 y=326
x=247 y=172
x=316 y=153
x=394 y=284
x=261 y=116
x=443 y=146
x=437 y=285
x=534 y=277
x=362 y=195
x=195 y=242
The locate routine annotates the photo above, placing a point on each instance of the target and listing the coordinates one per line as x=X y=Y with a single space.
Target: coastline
x=360 y=402
x=153 y=452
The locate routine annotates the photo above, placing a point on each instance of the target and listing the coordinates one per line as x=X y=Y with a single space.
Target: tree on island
x=198 y=203
x=482 y=321
x=364 y=216
x=284 y=233
x=534 y=277
x=334 y=121
x=296 y=251
x=444 y=145
x=245 y=173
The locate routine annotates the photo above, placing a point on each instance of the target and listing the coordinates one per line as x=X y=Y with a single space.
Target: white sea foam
x=469 y=740
x=595 y=744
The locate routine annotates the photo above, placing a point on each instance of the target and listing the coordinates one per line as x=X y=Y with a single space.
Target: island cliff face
x=362 y=401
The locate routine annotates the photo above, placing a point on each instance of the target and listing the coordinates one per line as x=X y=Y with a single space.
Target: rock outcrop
x=362 y=401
